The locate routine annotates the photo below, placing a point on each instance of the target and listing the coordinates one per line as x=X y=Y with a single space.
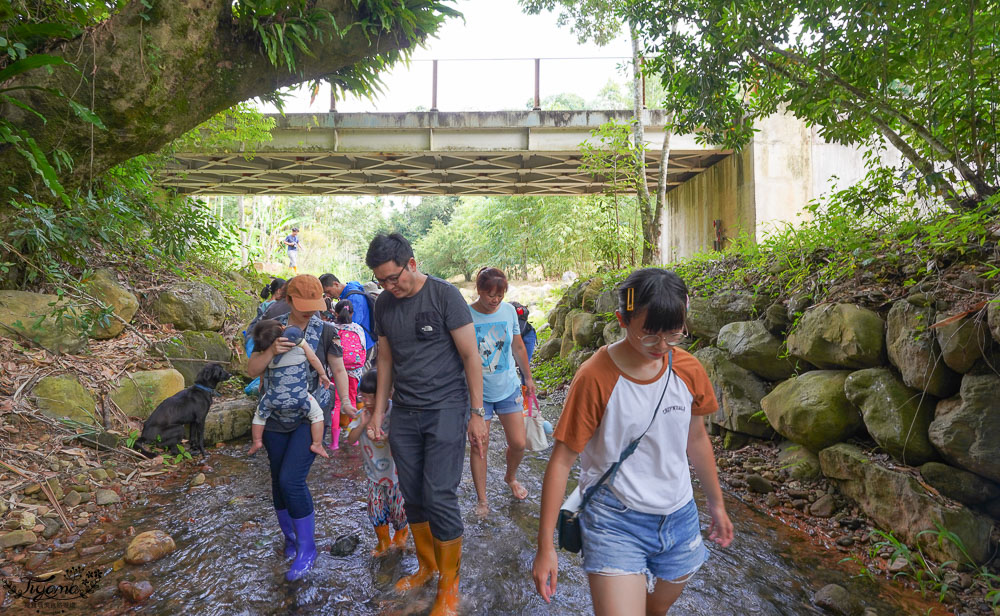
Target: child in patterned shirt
x=385 y=502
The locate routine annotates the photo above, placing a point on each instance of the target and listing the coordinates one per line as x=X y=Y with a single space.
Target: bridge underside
x=481 y=153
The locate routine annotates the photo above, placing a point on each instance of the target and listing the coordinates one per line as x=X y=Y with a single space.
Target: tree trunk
x=151 y=74
x=244 y=240
x=661 y=200
x=642 y=189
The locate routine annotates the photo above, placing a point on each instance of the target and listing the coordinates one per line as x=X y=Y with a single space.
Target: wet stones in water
x=824 y=507
x=135 y=592
x=36 y=560
x=845 y=541
x=107 y=497
x=344 y=545
x=52 y=527
x=16 y=538
x=149 y=546
x=73 y=498
x=759 y=485
x=838 y=600
x=198 y=479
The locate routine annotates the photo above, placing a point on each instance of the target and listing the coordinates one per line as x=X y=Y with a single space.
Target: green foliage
x=240 y=129
x=552 y=373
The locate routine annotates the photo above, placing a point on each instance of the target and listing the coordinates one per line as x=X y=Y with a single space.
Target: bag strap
x=609 y=475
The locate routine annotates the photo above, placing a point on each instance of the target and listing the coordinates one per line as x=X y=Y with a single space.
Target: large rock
x=607 y=301
x=965 y=428
x=64 y=397
x=739 y=393
x=993 y=317
x=800 y=463
x=104 y=287
x=914 y=350
x=613 y=332
x=963 y=343
x=566 y=346
x=591 y=291
x=31 y=316
x=897 y=502
x=749 y=345
x=149 y=546
x=191 y=306
x=140 y=392
x=839 y=336
x=896 y=416
x=229 y=419
x=812 y=409
x=586 y=329
x=549 y=350
x=557 y=319
x=965 y=487
x=707 y=315
x=189 y=351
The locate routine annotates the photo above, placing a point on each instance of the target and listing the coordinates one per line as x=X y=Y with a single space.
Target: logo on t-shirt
x=675 y=408
x=492 y=340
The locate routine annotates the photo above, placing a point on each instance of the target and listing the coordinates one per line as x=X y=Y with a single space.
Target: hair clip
x=630 y=299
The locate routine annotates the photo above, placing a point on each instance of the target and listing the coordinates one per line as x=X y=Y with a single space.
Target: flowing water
x=227 y=560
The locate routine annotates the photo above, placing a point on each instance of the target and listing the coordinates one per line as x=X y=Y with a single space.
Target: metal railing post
x=538 y=73
x=434 y=88
x=642 y=71
x=333 y=98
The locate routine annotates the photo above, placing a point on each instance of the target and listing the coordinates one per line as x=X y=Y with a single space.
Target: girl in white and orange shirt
x=640 y=532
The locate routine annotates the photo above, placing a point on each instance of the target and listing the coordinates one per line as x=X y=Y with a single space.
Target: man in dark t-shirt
x=428 y=358
x=292 y=242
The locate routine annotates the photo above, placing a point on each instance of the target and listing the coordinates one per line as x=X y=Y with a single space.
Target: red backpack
x=354 y=349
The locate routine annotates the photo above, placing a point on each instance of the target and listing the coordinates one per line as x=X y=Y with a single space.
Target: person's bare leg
x=513 y=427
x=663 y=596
x=618 y=595
x=316 y=429
x=478 y=467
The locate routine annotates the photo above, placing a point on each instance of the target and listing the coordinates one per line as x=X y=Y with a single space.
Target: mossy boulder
x=104 y=287
x=586 y=329
x=963 y=343
x=993 y=317
x=800 y=463
x=591 y=291
x=965 y=487
x=63 y=396
x=749 y=345
x=549 y=350
x=739 y=393
x=228 y=420
x=577 y=357
x=566 y=346
x=607 y=301
x=897 y=502
x=32 y=316
x=191 y=305
x=914 y=349
x=812 y=409
x=896 y=416
x=835 y=336
x=707 y=315
x=965 y=428
x=557 y=319
x=613 y=332
x=191 y=350
x=141 y=392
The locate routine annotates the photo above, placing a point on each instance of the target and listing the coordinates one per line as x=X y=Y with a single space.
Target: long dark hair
x=661 y=293
x=271 y=288
x=343 y=312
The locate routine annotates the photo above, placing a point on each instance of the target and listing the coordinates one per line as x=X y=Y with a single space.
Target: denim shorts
x=620 y=541
x=510 y=404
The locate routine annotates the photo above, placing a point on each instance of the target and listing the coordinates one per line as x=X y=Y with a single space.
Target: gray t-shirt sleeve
x=456 y=311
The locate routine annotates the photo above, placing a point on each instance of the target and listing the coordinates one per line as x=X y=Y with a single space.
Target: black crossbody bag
x=568 y=525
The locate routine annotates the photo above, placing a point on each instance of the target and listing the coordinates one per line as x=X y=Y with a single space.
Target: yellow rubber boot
x=426 y=563
x=382 y=532
x=399 y=539
x=449 y=559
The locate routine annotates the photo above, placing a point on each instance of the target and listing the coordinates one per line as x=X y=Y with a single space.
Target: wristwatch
x=478 y=410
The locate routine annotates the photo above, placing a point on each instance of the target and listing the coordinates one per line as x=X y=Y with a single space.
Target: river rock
x=812 y=409
x=776 y=319
x=17 y=538
x=963 y=342
x=63 y=396
x=824 y=507
x=72 y=499
x=104 y=287
x=607 y=301
x=149 y=546
x=140 y=392
x=567 y=346
x=838 y=600
x=106 y=497
x=758 y=484
x=749 y=345
x=707 y=315
x=897 y=502
x=993 y=317
x=190 y=305
x=965 y=428
x=739 y=393
x=197 y=480
x=896 y=416
x=549 y=350
x=585 y=329
x=914 y=350
x=228 y=420
x=135 y=592
x=21 y=311
x=839 y=336
x=344 y=545
x=577 y=357
x=613 y=332
x=800 y=463
x=965 y=487
x=591 y=291
x=201 y=347
x=557 y=319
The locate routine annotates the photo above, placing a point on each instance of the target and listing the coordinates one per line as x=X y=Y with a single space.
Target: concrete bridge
x=428 y=153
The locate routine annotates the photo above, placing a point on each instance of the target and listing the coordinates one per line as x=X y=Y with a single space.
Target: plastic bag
x=534 y=425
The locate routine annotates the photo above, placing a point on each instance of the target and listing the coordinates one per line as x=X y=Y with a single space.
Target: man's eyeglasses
x=394 y=279
x=673 y=338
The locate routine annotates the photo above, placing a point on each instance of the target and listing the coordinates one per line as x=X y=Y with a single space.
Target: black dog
x=165 y=426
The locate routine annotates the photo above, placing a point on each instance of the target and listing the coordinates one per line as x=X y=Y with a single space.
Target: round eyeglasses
x=672 y=338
